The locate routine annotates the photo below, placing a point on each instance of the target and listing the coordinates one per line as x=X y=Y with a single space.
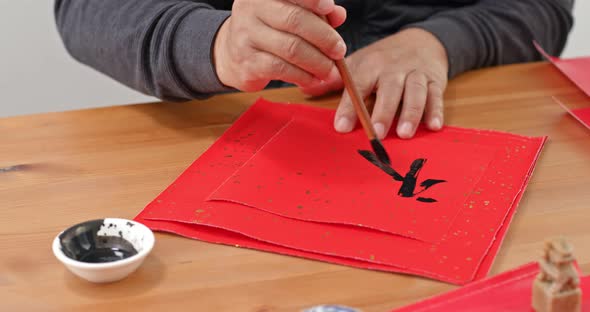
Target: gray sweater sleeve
x=163 y=47
x=496 y=32
x=159 y=47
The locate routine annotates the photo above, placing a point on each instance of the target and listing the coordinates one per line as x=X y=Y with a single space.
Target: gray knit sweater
x=163 y=47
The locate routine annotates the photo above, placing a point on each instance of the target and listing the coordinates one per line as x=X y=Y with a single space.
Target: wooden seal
x=556 y=287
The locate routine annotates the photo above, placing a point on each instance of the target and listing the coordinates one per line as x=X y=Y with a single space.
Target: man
x=402 y=50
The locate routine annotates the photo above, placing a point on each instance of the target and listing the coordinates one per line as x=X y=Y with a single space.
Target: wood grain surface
x=58 y=169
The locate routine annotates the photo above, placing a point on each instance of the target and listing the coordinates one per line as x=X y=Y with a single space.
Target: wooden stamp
x=556 y=287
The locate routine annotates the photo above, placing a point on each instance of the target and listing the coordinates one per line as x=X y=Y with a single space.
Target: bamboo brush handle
x=355 y=96
x=357 y=99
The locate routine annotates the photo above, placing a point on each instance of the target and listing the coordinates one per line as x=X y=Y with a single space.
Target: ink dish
x=103 y=250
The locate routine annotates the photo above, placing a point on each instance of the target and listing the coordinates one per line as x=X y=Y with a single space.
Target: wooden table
x=61 y=168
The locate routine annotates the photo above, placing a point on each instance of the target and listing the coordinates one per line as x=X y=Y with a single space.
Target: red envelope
x=576 y=69
x=509 y=291
x=580 y=114
x=465 y=252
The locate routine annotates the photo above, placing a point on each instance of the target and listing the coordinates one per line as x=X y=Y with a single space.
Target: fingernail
x=436 y=123
x=343 y=125
x=314 y=83
x=379 y=130
x=339 y=51
x=325 y=6
x=404 y=131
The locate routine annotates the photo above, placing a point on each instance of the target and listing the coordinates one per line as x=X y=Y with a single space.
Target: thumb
x=332 y=83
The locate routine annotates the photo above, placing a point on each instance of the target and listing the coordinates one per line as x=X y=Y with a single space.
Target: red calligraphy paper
x=310 y=172
x=465 y=252
x=576 y=69
x=509 y=291
x=581 y=114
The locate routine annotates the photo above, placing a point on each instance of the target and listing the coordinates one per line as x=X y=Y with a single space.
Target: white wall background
x=578 y=41
x=37 y=75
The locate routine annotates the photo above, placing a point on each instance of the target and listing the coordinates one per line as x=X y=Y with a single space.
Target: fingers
x=433 y=115
x=284 y=40
x=337 y=17
x=296 y=20
x=420 y=99
x=331 y=83
x=256 y=72
x=336 y=14
x=346 y=117
x=389 y=92
x=321 y=7
x=415 y=95
x=294 y=50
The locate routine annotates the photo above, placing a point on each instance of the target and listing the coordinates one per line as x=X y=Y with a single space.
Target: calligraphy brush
x=361 y=110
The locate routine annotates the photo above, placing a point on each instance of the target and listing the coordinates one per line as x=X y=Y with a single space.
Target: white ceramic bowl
x=103 y=250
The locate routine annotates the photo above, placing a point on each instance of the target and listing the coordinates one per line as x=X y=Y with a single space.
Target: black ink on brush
x=408 y=188
x=380 y=151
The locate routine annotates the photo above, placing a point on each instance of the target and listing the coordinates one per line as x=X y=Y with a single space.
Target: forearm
x=496 y=32
x=161 y=48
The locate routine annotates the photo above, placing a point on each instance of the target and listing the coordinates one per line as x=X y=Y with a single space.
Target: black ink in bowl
x=96 y=242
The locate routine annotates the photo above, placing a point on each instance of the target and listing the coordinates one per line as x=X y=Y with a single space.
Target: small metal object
x=331 y=308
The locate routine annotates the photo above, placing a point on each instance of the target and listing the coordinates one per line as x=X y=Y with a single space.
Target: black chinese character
x=408 y=188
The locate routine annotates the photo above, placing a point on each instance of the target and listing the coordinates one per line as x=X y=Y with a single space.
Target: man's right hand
x=266 y=40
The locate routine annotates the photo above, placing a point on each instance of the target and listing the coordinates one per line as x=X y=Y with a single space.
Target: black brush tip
x=380 y=151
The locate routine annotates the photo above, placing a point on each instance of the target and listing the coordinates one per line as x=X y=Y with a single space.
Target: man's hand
x=266 y=40
x=411 y=64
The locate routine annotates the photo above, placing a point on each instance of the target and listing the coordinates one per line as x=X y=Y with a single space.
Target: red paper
x=312 y=173
x=464 y=253
x=509 y=291
x=581 y=114
x=220 y=236
x=576 y=69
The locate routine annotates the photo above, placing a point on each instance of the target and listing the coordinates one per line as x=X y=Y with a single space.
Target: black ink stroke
x=408 y=187
x=426 y=200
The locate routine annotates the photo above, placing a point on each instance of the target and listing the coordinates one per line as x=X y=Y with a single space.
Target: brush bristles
x=380 y=151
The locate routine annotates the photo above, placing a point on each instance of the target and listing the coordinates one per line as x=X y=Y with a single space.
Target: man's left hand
x=408 y=68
